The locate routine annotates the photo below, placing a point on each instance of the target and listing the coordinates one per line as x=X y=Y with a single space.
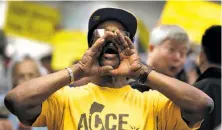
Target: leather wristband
x=143 y=77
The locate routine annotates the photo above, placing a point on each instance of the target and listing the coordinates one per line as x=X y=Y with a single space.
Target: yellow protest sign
x=31 y=20
x=68 y=46
x=143 y=36
x=194 y=16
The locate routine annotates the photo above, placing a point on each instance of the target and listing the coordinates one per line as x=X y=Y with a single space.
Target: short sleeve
x=52 y=110
x=169 y=115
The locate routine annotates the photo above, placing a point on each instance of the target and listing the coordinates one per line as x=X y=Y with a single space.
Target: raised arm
x=193 y=103
x=26 y=99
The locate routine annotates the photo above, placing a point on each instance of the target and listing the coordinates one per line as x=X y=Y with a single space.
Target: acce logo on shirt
x=94 y=120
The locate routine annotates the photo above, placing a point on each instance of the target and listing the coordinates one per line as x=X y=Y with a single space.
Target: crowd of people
x=178 y=88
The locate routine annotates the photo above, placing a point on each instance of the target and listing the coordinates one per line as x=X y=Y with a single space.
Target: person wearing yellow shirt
x=108 y=102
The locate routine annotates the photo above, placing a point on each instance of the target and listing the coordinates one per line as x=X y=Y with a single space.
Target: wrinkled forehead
x=111 y=25
x=182 y=45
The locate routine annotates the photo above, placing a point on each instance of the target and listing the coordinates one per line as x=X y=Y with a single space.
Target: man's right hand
x=89 y=65
x=31 y=94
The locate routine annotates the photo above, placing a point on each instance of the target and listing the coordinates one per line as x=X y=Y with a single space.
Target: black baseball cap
x=127 y=19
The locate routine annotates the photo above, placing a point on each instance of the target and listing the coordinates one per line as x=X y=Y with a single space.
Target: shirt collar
x=212 y=72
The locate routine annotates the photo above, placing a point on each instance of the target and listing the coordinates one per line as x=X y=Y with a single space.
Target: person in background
x=3 y=63
x=191 y=65
x=4 y=123
x=23 y=69
x=210 y=79
x=167 y=51
x=46 y=62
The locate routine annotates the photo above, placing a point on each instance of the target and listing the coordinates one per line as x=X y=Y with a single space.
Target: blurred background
x=55 y=31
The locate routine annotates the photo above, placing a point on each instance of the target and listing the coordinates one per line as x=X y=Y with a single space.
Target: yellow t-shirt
x=92 y=107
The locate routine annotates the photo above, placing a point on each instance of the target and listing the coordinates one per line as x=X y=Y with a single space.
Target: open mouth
x=173 y=68
x=109 y=55
x=110 y=48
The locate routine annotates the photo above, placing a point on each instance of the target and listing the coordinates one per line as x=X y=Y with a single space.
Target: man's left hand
x=130 y=63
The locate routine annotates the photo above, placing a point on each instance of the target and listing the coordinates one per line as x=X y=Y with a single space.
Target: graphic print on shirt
x=98 y=121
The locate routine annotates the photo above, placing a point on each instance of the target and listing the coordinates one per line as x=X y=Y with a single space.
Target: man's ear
x=151 y=48
x=202 y=58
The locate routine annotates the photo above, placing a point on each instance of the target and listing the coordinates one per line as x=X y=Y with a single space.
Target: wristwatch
x=143 y=77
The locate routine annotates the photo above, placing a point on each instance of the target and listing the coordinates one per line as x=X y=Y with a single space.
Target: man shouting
x=108 y=102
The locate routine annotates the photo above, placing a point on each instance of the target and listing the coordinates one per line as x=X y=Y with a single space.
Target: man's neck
x=109 y=81
x=205 y=66
x=149 y=61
